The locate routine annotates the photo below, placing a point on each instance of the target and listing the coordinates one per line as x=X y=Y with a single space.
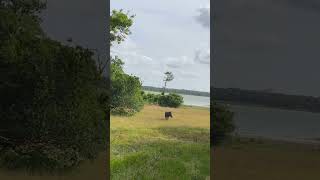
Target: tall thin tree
x=168 y=77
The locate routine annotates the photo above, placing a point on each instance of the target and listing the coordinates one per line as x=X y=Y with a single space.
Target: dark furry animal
x=167 y=115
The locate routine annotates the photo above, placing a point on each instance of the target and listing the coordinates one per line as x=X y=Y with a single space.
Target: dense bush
x=126 y=90
x=221 y=123
x=52 y=112
x=151 y=98
x=170 y=100
x=39 y=157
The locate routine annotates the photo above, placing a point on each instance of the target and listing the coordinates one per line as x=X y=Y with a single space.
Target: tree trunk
x=164 y=88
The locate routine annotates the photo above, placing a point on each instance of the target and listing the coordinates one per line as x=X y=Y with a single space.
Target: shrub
x=38 y=157
x=126 y=90
x=151 y=98
x=56 y=104
x=51 y=112
x=221 y=124
x=122 y=111
x=170 y=100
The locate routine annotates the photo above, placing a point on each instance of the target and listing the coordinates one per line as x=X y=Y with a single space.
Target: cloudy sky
x=261 y=44
x=82 y=20
x=168 y=36
x=267 y=44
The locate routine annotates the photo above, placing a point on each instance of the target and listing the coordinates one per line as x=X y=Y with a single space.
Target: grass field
x=146 y=146
x=245 y=159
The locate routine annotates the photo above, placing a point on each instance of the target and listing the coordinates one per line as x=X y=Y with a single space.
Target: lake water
x=276 y=123
x=191 y=100
x=268 y=122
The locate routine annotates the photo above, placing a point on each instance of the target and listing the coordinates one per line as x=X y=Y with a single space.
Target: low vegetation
x=87 y=170
x=168 y=100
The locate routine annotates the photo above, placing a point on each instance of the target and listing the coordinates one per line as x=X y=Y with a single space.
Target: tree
x=170 y=100
x=126 y=97
x=168 y=77
x=51 y=114
x=126 y=90
x=120 y=24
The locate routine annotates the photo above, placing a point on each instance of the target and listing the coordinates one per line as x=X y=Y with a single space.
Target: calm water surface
x=276 y=123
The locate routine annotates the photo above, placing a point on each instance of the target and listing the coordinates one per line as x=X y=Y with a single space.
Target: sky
x=267 y=44
x=167 y=36
x=261 y=44
x=82 y=20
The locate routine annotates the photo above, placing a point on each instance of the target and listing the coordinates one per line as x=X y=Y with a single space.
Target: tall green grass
x=160 y=153
x=146 y=146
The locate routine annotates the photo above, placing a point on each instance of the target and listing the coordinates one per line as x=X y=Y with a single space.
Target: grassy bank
x=146 y=146
x=247 y=158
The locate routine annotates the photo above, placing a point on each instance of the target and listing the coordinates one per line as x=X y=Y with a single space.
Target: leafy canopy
x=51 y=112
x=120 y=24
x=168 y=76
x=126 y=97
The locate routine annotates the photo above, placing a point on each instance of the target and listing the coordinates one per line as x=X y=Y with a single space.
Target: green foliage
x=170 y=100
x=222 y=124
x=23 y=7
x=125 y=89
x=51 y=112
x=39 y=157
x=168 y=76
x=160 y=153
x=120 y=24
x=151 y=98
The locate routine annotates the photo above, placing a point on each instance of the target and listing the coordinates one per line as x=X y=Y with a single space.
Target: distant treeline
x=178 y=91
x=277 y=100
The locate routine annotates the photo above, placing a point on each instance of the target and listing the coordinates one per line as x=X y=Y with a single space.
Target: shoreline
x=280 y=140
x=178 y=93
x=195 y=106
x=206 y=106
x=228 y=103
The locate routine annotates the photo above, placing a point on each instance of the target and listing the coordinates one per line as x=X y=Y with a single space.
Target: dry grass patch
x=153 y=116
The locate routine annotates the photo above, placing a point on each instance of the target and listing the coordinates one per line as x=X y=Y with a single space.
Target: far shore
x=263 y=106
x=193 y=106
x=302 y=142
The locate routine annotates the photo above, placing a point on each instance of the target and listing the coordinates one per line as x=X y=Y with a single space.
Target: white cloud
x=130 y=53
x=202 y=55
x=178 y=62
x=204 y=17
x=187 y=75
x=167 y=42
